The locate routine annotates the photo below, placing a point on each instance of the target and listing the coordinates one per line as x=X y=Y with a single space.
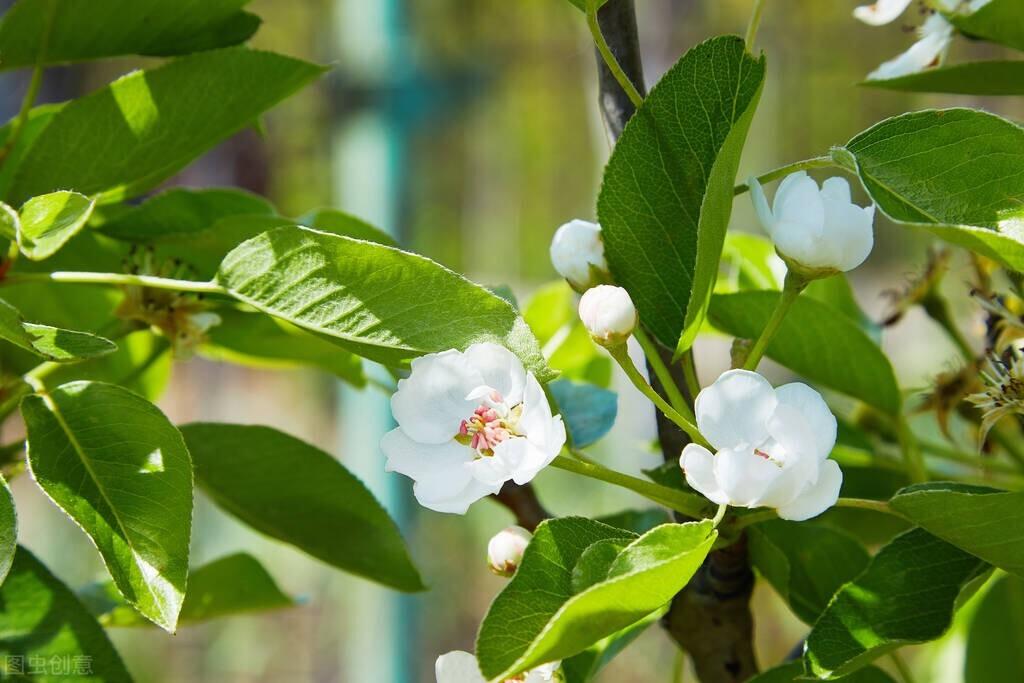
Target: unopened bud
x=577 y=253
x=505 y=550
x=608 y=314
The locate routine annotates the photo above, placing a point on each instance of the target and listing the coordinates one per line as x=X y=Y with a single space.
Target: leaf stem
x=675 y=396
x=880 y=506
x=901 y=666
x=755 y=21
x=683 y=503
x=794 y=284
x=626 y=363
x=690 y=373
x=117 y=279
x=782 y=171
x=719 y=515
x=609 y=58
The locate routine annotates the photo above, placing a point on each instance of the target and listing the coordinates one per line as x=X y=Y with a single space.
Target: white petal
x=431 y=403
x=796 y=476
x=457 y=503
x=928 y=51
x=458 y=667
x=836 y=189
x=698 y=466
x=764 y=213
x=881 y=12
x=817 y=498
x=493 y=470
x=819 y=428
x=848 y=231
x=418 y=460
x=744 y=476
x=798 y=201
x=734 y=411
x=522 y=458
x=535 y=420
x=501 y=369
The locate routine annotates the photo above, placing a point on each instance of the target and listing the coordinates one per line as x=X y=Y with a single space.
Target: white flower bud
x=577 y=253
x=608 y=314
x=818 y=232
x=505 y=550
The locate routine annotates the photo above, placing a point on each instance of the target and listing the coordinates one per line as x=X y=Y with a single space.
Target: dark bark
x=711 y=617
x=522 y=501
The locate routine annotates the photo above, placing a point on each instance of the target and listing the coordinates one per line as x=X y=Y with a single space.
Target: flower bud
x=577 y=253
x=505 y=550
x=608 y=314
x=817 y=232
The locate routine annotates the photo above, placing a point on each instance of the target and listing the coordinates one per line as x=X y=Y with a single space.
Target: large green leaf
x=379 y=302
x=298 y=494
x=984 y=522
x=816 y=341
x=667 y=193
x=55 y=32
x=48 y=221
x=230 y=586
x=144 y=127
x=203 y=251
x=583 y=667
x=52 y=343
x=589 y=411
x=794 y=673
x=8 y=529
x=997 y=21
x=973 y=78
x=906 y=595
x=41 y=621
x=111 y=461
x=259 y=340
x=995 y=642
x=805 y=563
x=557 y=605
x=182 y=211
x=952 y=172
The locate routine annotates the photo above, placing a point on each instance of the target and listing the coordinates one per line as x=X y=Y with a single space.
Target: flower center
x=777 y=459
x=490 y=424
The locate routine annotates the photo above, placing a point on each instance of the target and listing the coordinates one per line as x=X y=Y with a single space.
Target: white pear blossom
x=505 y=550
x=608 y=314
x=577 y=253
x=773 y=447
x=468 y=421
x=816 y=229
x=461 y=667
x=881 y=12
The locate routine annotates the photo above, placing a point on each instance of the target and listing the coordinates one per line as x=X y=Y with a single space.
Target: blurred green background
x=470 y=129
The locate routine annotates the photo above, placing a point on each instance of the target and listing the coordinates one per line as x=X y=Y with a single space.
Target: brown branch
x=711 y=617
x=522 y=501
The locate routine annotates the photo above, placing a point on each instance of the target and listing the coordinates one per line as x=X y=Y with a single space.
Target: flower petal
x=699 y=467
x=457 y=503
x=417 y=460
x=803 y=421
x=764 y=212
x=522 y=459
x=798 y=201
x=458 y=667
x=930 y=50
x=734 y=411
x=848 y=232
x=500 y=368
x=431 y=403
x=744 y=476
x=881 y=12
x=817 y=498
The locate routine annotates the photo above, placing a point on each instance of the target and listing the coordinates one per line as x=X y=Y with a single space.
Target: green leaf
x=952 y=172
x=998 y=21
x=182 y=211
x=48 y=221
x=107 y=28
x=906 y=595
x=816 y=341
x=805 y=563
x=636 y=521
x=381 y=303
x=125 y=138
x=52 y=343
x=8 y=529
x=42 y=620
x=114 y=464
x=291 y=491
x=341 y=223
x=10 y=224
x=973 y=78
x=204 y=250
x=583 y=667
x=589 y=411
x=230 y=586
x=794 y=673
x=995 y=641
x=539 y=618
x=667 y=193
x=259 y=340
x=985 y=522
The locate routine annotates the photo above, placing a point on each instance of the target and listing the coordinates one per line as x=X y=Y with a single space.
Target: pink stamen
x=485 y=426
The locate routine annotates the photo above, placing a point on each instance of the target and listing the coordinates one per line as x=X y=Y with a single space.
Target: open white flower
x=577 y=253
x=505 y=550
x=468 y=421
x=773 y=447
x=816 y=229
x=461 y=667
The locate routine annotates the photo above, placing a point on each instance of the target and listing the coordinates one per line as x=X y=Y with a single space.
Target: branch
x=522 y=501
